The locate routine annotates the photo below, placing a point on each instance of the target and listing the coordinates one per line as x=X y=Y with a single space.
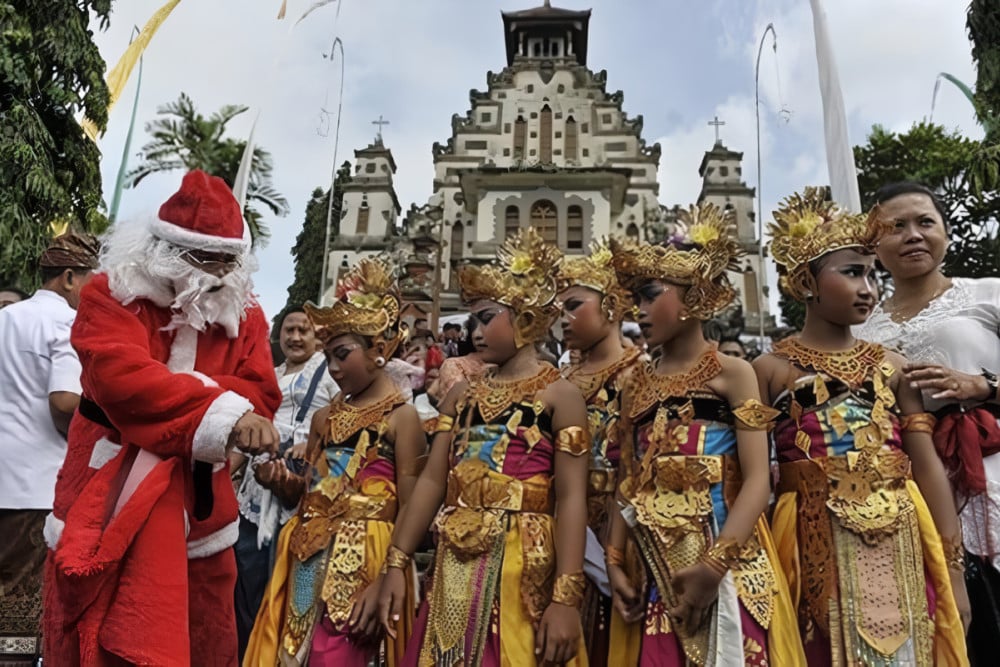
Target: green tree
x=309 y=244
x=185 y=139
x=983 y=24
x=942 y=161
x=51 y=72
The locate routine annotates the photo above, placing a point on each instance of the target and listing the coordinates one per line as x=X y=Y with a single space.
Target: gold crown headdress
x=697 y=255
x=807 y=226
x=367 y=305
x=596 y=272
x=523 y=278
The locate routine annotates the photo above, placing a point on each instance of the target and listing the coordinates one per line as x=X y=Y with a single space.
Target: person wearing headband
x=594 y=305
x=505 y=486
x=39 y=392
x=364 y=452
x=865 y=521
x=693 y=473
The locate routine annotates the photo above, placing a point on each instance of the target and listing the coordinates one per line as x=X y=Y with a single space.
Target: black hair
x=16 y=290
x=451 y=325
x=465 y=344
x=730 y=338
x=50 y=273
x=893 y=190
x=288 y=311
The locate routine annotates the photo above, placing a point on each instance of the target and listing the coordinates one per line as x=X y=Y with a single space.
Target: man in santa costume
x=176 y=372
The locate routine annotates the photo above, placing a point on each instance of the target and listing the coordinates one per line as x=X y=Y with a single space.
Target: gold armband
x=919 y=422
x=724 y=554
x=568 y=589
x=754 y=415
x=445 y=424
x=954 y=554
x=573 y=441
x=396 y=557
x=614 y=556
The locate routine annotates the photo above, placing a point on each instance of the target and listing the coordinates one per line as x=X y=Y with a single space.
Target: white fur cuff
x=52 y=530
x=215 y=542
x=213 y=432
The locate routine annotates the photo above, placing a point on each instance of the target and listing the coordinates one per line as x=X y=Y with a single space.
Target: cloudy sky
x=679 y=63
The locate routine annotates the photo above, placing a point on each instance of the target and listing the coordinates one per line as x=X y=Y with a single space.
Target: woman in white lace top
x=949 y=329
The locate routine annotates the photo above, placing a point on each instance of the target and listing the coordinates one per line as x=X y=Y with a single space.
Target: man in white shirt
x=39 y=391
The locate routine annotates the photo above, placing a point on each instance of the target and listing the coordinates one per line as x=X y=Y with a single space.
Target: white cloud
x=679 y=63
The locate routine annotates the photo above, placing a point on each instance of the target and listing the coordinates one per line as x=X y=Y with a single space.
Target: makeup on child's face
x=583 y=323
x=660 y=307
x=494 y=337
x=846 y=287
x=347 y=363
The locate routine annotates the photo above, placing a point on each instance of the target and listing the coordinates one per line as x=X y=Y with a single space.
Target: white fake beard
x=141 y=266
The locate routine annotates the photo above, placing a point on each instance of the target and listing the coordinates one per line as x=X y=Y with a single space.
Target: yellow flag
x=119 y=74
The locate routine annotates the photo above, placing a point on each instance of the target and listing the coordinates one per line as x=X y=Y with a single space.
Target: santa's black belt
x=204 y=498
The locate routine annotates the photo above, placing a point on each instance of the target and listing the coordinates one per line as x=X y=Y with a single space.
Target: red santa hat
x=203 y=215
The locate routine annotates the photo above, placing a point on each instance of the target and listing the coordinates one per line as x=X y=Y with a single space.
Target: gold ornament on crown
x=696 y=255
x=807 y=226
x=367 y=305
x=523 y=278
x=595 y=271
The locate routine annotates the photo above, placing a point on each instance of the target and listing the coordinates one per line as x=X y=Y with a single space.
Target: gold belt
x=891 y=469
x=320 y=517
x=473 y=485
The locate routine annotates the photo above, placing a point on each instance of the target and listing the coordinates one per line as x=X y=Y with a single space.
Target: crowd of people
x=639 y=495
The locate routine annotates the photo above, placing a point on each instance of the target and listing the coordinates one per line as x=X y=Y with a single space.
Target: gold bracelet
x=614 y=556
x=725 y=552
x=715 y=565
x=568 y=589
x=396 y=557
x=573 y=441
x=954 y=553
x=919 y=422
x=445 y=423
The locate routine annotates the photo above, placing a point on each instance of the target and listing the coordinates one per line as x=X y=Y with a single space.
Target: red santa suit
x=140 y=567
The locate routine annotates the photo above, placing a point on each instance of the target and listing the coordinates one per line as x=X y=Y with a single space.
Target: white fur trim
x=183 y=350
x=187 y=525
x=214 y=542
x=187 y=238
x=52 y=530
x=104 y=450
x=205 y=380
x=212 y=435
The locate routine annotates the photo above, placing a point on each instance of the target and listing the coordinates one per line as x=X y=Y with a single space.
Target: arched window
x=363 y=219
x=520 y=138
x=545 y=135
x=632 y=231
x=570 y=142
x=456 y=249
x=511 y=221
x=574 y=228
x=545 y=220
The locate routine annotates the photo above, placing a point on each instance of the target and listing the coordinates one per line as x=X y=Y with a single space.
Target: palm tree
x=184 y=139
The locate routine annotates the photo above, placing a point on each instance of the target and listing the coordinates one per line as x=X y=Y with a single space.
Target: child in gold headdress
x=510 y=454
x=321 y=603
x=861 y=548
x=594 y=305
x=694 y=468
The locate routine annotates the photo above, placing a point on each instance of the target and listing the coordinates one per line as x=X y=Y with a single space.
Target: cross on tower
x=717 y=123
x=380 y=123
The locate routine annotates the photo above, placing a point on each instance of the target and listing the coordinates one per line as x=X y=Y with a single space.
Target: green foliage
x=51 y=72
x=308 y=248
x=983 y=24
x=942 y=161
x=184 y=139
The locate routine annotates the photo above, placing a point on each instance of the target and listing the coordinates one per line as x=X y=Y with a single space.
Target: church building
x=545 y=145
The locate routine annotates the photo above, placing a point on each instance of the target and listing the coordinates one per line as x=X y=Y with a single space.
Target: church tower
x=721 y=171
x=368 y=213
x=545 y=145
